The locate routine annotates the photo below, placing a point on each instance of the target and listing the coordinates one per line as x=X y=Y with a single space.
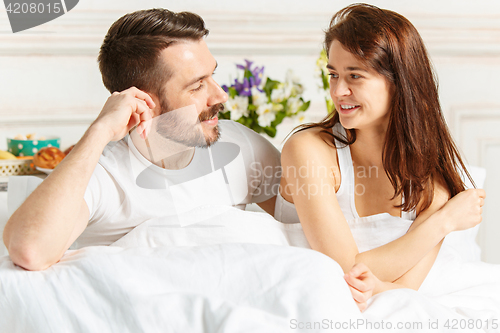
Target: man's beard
x=183 y=129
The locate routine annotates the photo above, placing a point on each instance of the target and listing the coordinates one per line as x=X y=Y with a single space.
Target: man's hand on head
x=36 y=235
x=124 y=110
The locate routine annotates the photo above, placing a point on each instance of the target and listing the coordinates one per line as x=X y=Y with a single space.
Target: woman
x=372 y=182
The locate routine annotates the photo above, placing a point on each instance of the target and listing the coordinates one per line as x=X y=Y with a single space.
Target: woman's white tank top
x=369 y=231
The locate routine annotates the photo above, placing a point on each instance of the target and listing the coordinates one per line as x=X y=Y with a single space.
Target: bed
x=238 y=271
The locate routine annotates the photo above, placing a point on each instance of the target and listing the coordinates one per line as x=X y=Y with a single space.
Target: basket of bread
x=28 y=155
x=11 y=165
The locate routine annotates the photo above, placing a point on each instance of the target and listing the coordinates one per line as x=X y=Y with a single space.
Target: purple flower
x=258 y=74
x=225 y=88
x=243 y=88
x=238 y=86
x=255 y=83
x=246 y=88
x=247 y=65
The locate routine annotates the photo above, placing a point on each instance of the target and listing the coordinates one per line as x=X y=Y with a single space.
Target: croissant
x=48 y=157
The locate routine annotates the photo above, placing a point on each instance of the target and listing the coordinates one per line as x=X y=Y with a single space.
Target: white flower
x=265 y=108
x=321 y=64
x=277 y=107
x=238 y=105
x=294 y=103
x=278 y=94
x=297 y=89
x=266 y=114
x=299 y=118
x=258 y=97
x=266 y=119
x=263 y=81
x=282 y=92
x=292 y=83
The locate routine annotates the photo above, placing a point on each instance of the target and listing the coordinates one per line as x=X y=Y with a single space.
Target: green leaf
x=271 y=131
x=279 y=118
x=232 y=92
x=225 y=115
x=247 y=74
x=326 y=84
x=304 y=106
x=329 y=105
x=254 y=125
x=251 y=123
x=270 y=86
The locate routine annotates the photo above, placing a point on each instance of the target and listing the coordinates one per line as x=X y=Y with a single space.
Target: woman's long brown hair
x=418 y=148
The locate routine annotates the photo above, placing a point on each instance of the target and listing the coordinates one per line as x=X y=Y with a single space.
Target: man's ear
x=157 y=108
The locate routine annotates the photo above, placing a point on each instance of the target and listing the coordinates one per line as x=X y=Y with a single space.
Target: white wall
x=51 y=83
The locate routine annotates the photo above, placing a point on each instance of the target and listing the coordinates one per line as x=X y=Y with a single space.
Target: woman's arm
x=310 y=171
x=326 y=229
x=470 y=199
x=364 y=284
x=443 y=216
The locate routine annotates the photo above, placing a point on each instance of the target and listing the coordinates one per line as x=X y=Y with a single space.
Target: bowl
x=30 y=147
x=44 y=170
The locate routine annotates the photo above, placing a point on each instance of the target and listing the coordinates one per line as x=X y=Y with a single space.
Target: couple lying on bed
x=158 y=148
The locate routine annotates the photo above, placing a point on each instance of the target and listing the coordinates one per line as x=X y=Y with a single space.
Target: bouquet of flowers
x=322 y=72
x=261 y=103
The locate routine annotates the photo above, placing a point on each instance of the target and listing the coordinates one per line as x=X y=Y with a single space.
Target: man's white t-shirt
x=126 y=189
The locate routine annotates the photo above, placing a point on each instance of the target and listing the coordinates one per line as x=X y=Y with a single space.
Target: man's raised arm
x=55 y=214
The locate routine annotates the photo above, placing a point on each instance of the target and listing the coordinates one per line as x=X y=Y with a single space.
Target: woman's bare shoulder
x=310 y=140
x=310 y=147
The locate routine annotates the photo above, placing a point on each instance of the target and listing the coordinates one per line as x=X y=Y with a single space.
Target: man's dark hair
x=130 y=53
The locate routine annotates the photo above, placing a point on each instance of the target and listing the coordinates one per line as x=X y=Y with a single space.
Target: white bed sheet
x=233 y=273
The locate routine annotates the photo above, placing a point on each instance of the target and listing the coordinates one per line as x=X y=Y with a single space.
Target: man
x=176 y=158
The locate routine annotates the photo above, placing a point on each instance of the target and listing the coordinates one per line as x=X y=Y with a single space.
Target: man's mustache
x=205 y=115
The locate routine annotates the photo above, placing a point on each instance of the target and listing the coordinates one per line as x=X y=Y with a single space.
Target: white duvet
x=233 y=273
